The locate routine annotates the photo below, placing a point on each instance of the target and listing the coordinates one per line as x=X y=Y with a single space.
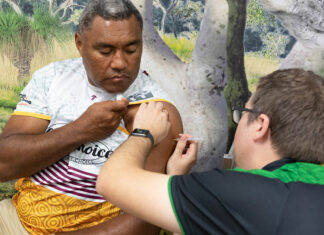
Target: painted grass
x=181 y=46
x=257 y=66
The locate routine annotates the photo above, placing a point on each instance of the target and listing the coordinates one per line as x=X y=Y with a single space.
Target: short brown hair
x=293 y=99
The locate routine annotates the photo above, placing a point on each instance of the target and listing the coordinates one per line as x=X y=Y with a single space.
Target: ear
x=261 y=131
x=78 y=42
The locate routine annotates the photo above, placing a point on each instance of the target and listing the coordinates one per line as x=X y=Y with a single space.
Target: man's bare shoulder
x=174 y=115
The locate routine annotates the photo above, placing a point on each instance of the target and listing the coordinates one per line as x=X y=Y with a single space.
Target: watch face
x=141 y=132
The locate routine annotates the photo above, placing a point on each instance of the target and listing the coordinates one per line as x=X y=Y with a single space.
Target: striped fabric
x=60 y=177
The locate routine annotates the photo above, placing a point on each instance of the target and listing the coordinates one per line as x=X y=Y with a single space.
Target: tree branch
x=173 y=4
x=64 y=6
x=13 y=4
x=209 y=56
x=50 y=8
x=160 y=5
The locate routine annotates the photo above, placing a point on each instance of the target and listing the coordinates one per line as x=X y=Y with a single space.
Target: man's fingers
x=142 y=106
x=193 y=147
x=159 y=105
x=118 y=105
x=166 y=112
x=192 y=150
x=181 y=145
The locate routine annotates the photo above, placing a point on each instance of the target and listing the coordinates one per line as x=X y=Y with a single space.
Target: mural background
x=35 y=33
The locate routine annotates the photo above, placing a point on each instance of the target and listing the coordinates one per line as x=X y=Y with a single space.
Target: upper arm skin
x=11 y=145
x=24 y=125
x=161 y=153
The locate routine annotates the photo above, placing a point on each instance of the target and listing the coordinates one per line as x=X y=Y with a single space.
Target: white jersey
x=60 y=92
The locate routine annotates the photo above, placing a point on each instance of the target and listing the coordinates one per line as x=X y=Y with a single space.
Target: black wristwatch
x=143 y=133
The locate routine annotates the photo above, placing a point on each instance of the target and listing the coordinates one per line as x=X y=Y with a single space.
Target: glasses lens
x=236 y=116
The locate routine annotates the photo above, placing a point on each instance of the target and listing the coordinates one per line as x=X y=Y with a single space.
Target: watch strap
x=143 y=133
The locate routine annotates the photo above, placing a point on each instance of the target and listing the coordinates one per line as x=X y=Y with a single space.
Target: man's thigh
x=9 y=220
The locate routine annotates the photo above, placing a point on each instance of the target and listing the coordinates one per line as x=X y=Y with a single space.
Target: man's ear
x=78 y=42
x=262 y=130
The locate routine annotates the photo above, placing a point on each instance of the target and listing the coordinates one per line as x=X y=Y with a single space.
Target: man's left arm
x=146 y=194
x=160 y=154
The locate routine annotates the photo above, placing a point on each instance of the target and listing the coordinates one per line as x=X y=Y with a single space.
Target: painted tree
x=236 y=92
x=21 y=36
x=305 y=21
x=183 y=15
x=166 y=7
x=196 y=87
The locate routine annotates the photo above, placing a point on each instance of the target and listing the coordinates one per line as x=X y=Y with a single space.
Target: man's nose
x=118 y=61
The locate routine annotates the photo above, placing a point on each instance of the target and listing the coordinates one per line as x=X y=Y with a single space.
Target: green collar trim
x=293 y=172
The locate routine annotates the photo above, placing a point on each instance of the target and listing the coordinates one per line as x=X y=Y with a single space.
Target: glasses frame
x=240 y=110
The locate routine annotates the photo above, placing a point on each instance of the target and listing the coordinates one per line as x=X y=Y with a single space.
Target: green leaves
x=12 y=27
x=49 y=27
x=257 y=17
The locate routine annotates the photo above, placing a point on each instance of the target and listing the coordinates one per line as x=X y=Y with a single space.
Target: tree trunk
x=50 y=6
x=174 y=28
x=21 y=60
x=236 y=92
x=196 y=88
x=164 y=15
x=306 y=58
x=163 y=21
x=23 y=65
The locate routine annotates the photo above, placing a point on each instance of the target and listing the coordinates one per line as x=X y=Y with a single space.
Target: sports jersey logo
x=93 y=97
x=91 y=154
x=142 y=96
x=24 y=98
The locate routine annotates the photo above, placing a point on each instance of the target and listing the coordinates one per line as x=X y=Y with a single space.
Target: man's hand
x=154 y=118
x=183 y=157
x=101 y=119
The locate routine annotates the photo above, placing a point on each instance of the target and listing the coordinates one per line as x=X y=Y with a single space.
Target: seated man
x=71 y=117
x=277 y=189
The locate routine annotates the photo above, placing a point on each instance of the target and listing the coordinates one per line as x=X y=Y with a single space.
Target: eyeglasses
x=238 y=113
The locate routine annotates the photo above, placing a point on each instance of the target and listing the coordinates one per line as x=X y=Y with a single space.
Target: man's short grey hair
x=109 y=10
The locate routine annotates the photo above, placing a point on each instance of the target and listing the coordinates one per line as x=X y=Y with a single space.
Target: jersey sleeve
x=145 y=89
x=34 y=97
x=226 y=202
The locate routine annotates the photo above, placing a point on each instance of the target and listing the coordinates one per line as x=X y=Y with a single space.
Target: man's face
x=242 y=140
x=111 y=52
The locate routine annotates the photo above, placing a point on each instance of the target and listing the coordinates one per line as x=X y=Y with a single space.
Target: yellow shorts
x=9 y=220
